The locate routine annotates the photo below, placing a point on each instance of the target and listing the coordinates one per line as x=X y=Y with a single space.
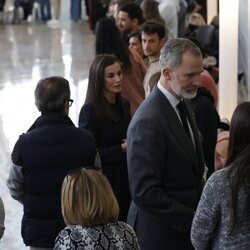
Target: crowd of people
x=139 y=171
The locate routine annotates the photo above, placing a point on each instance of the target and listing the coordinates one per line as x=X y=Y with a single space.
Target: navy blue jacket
x=51 y=148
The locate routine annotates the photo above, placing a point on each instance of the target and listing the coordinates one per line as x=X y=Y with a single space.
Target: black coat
x=109 y=135
x=51 y=148
x=165 y=175
x=207 y=120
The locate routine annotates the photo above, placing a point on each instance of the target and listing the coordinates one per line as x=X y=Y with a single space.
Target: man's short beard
x=188 y=94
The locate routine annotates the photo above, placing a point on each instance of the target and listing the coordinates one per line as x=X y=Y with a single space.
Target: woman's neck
x=111 y=98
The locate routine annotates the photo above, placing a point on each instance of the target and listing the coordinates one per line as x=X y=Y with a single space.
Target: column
x=228 y=57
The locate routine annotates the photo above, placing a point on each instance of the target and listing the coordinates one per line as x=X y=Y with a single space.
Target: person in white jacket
x=169 y=11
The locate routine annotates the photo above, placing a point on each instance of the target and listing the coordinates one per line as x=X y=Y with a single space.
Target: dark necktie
x=183 y=115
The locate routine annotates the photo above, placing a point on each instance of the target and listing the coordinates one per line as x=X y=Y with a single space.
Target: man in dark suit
x=165 y=159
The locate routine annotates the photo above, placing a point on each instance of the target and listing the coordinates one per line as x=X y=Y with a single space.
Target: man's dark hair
x=51 y=94
x=151 y=27
x=121 y=3
x=134 y=11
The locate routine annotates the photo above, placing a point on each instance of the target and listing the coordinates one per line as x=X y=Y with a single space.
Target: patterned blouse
x=118 y=235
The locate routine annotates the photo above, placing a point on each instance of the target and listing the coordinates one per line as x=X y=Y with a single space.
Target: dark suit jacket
x=165 y=175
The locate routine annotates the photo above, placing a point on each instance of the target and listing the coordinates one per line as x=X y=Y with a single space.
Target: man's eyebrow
x=194 y=73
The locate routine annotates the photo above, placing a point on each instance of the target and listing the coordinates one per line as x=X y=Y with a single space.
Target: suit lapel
x=177 y=129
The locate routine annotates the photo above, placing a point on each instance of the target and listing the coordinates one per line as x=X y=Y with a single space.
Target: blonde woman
x=90 y=211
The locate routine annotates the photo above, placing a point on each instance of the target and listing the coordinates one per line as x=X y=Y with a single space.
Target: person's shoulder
x=88 y=111
x=125 y=226
x=81 y=135
x=21 y=137
x=66 y=231
x=146 y=111
x=156 y=99
x=219 y=179
x=150 y=107
x=76 y=230
x=71 y=227
x=84 y=133
x=88 y=107
x=122 y=226
x=217 y=175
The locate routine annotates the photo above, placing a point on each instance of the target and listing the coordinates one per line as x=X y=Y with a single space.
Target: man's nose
x=197 y=80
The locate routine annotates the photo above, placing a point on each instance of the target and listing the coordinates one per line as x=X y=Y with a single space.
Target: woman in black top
x=107 y=116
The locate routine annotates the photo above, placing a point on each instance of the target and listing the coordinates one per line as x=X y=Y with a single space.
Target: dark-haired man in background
x=153 y=39
x=130 y=18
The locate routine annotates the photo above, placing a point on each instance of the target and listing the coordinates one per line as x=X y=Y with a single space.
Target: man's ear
x=166 y=73
x=162 y=42
x=66 y=108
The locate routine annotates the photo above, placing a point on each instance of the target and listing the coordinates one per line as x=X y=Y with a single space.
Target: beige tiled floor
x=29 y=52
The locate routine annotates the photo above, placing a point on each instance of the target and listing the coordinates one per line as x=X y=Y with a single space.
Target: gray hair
x=173 y=50
x=51 y=94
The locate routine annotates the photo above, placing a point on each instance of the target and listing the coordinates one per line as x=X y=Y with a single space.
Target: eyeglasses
x=70 y=102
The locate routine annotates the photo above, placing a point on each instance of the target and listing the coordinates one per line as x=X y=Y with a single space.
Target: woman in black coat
x=107 y=116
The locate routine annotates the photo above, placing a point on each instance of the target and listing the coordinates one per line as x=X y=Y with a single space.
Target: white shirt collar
x=171 y=98
x=174 y=102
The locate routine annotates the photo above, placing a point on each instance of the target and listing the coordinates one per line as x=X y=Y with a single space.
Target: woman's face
x=134 y=43
x=112 y=79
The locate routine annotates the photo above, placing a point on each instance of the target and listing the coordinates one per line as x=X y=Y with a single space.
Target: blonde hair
x=87 y=199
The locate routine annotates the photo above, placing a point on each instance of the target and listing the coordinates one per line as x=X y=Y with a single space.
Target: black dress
x=109 y=135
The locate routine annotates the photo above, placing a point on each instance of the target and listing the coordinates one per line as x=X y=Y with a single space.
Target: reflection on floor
x=29 y=52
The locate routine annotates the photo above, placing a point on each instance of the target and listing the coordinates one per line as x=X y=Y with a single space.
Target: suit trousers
x=151 y=230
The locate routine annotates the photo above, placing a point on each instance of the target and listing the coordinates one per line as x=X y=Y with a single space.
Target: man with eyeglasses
x=42 y=157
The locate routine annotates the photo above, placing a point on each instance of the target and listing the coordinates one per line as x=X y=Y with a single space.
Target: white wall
x=244 y=50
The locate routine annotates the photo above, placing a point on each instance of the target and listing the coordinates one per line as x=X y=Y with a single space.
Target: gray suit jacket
x=165 y=175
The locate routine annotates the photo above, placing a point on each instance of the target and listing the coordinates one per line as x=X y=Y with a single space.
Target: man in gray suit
x=165 y=159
